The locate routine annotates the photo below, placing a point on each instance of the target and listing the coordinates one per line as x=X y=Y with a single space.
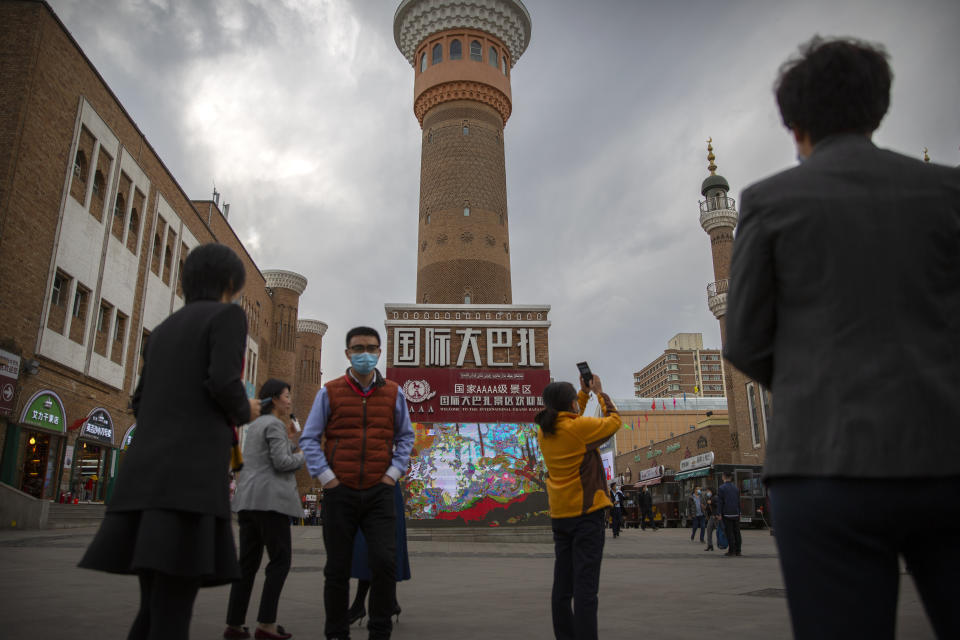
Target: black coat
x=190 y=393
x=845 y=301
x=646 y=501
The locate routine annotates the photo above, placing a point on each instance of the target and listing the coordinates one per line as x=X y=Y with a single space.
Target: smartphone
x=295 y=423
x=266 y=406
x=585 y=372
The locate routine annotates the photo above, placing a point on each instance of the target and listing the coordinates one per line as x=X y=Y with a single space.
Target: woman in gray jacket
x=266 y=498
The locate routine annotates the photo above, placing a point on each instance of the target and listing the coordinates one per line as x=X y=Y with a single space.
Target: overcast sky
x=301 y=112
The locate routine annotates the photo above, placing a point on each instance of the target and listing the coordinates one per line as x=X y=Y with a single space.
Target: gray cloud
x=301 y=113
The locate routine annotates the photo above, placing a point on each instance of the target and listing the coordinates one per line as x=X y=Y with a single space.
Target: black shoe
x=396 y=610
x=355 y=613
x=738 y=554
x=709 y=548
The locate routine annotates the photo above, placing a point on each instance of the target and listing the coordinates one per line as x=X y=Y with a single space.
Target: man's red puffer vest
x=360 y=430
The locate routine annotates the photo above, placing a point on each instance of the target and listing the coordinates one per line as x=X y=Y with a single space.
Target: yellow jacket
x=577 y=484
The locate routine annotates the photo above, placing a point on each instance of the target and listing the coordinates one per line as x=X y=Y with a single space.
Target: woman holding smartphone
x=577 y=491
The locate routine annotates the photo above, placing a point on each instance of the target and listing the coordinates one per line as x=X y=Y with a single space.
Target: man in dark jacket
x=844 y=300
x=357 y=442
x=729 y=499
x=646 y=509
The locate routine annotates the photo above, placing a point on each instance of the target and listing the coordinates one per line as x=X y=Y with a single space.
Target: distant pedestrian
x=695 y=511
x=646 y=509
x=729 y=499
x=844 y=301
x=616 y=497
x=576 y=485
x=712 y=514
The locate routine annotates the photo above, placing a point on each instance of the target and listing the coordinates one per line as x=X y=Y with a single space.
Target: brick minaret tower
x=718 y=217
x=285 y=288
x=307 y=383
x=462 y=52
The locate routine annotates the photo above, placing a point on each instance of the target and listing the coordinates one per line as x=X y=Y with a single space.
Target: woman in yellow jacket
x=576 y=488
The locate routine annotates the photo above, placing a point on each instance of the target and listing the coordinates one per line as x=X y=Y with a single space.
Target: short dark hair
x=272 y=388
x=837 y=85
x=362 y=331
x=210 y=270
x=727 y=475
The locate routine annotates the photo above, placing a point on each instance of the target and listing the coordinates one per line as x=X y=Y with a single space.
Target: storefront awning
x=696 y=473
x=647 y=483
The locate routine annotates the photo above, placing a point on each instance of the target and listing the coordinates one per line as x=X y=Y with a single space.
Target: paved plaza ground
x=653 y=585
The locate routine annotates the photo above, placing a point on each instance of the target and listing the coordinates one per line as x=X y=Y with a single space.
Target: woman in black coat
x=169 y=519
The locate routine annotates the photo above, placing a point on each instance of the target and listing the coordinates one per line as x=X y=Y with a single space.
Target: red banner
x=471 y=395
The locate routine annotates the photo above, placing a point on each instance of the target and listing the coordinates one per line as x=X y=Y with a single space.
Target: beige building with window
x=684 y=368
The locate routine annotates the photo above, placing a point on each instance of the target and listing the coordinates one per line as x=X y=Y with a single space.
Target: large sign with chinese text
x=697 y=462
x=471 y=395
x=45 y=410
x=99 y=426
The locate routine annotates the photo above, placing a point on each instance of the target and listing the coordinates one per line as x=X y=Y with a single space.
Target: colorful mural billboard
x=476 y=474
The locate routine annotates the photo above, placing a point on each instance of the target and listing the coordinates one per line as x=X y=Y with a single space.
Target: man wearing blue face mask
x=357 y=442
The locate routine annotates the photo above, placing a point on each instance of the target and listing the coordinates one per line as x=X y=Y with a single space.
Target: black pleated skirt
x=178 y=543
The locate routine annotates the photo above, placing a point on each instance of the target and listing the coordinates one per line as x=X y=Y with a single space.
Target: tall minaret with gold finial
x=745 y=398
x=926 y=155
x=718 y=217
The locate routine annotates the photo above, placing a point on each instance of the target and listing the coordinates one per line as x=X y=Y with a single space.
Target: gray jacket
x=267 y=482
x=845 y=302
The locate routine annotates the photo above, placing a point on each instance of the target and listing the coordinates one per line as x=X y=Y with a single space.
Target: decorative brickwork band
x=305 y=325
x=279 y=279
x=416 y=20
x=462 y=90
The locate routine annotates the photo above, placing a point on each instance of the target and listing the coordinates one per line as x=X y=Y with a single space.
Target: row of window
x=107 y=316
x=455 y=52
x=120 y=223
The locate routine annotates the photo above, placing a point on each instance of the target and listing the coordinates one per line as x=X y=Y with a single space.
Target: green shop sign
x=654 y=453
x=46 y=411
x=673 y=447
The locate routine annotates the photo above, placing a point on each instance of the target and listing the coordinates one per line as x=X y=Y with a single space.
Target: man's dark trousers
x=344 y=511
x=578 y=546
x=699 y=522
x=617 y=520
x=731 y=526
x=839 y=542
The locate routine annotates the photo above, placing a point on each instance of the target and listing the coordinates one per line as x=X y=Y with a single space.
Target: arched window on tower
x=476 y=51
x=466 y=297
x=456 y=50
x=466 y=128
x=503 y=63
x=437 y=54
x=494 y=58
x=423 y=62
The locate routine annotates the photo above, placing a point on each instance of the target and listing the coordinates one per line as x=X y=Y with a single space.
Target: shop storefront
x=40 y=442
x=94 y=458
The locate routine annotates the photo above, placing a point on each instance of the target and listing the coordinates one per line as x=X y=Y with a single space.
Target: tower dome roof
x=416 y=20
x=713 y=182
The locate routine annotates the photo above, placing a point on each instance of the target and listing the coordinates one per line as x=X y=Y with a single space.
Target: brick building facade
x=94 y=230
x=685 y=368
